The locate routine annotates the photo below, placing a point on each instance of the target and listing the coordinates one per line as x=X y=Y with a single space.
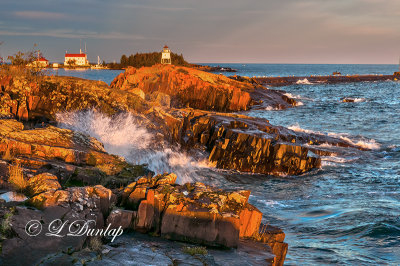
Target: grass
x=7 y=156
x=195 y=250
x=17 y=178
x=95 y=244
x=5 y=223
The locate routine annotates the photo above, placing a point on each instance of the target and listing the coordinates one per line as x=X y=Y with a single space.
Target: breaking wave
x=297 y=97
x=356 y=100
x=361 y=142
x=124 y=136
x=303 y=81
x=270 y=108
x=334 y=160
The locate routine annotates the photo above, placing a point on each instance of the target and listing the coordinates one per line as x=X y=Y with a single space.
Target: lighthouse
x=166 y=55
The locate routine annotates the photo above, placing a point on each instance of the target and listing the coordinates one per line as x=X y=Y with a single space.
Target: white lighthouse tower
x=166 y=55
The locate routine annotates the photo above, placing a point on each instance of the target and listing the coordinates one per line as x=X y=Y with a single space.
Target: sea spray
x=123 y=135
x=303 y=81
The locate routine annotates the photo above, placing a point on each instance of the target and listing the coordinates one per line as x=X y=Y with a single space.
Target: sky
x=214 y=31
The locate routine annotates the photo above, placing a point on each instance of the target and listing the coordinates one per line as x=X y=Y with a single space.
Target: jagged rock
x=73 y=156
x=29 y=98
x=187 y=87
x=192 y=212
x=274 y=237
x=97 y=197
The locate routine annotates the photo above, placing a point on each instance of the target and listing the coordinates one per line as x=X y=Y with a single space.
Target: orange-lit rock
x=187 y=87
x=42 y=183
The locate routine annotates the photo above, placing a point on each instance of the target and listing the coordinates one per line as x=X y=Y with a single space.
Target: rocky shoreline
x=69 y=174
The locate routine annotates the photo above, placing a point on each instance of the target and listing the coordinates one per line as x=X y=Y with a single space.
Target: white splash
x=297 y=97
x=359 y=100
x=356 y=100
x=270 y=108
x=370 y=144
x=303 y=81
x=122 y=135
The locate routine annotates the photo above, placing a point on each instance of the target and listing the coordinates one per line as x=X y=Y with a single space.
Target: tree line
x=148 y=59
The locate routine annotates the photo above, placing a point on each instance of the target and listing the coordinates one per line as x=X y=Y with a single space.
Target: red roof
x=166 y=47
x=75 y=55
x=43 y=59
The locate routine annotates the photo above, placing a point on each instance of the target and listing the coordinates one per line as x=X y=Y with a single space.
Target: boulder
x=80 y=198
x=192 y=212
x=121 y=218
x=42 y=183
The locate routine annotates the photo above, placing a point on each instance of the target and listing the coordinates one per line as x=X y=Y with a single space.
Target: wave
x=335 y=160
x=303 y=81
x=358 y=100
x=355 y=100
x=365 y=143
x=270 y=203
x=297 y=97
x=370 y=144
x=124 y=136
x=270 y=108
x=394 y=148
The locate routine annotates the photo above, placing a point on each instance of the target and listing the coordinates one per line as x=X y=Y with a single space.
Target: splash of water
x=124 y=136
x=303 y=81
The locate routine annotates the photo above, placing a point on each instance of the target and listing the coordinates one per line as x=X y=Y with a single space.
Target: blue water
x=346 y=213
x=283 y=70
x=106 y=75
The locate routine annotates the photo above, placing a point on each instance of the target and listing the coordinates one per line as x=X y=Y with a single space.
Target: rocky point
x=64 y=173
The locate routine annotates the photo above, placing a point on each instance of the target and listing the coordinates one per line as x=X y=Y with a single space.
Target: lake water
x=348 y=211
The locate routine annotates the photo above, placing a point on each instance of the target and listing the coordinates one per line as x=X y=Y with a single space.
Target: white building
x=166 y=55
x=40 y=62
x=76 y=59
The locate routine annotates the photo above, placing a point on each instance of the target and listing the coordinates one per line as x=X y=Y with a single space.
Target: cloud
x=161 y=8
x=68 y=34
x=40 y=15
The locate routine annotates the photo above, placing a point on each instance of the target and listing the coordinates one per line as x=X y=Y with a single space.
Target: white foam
x=356 y=100
x=370 y=144
x=124 y=136
x=296 y=127
x=303 y=81
x=362 y=143
x=270 y=108
x=297 y=97
x=337 y=159
x=359 y=100
x=271 y=203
